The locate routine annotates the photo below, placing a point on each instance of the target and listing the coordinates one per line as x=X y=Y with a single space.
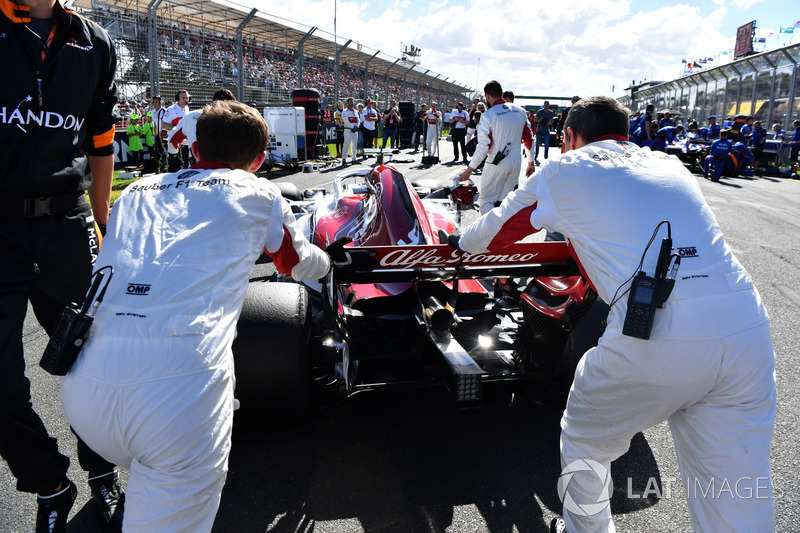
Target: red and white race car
x=399 y=309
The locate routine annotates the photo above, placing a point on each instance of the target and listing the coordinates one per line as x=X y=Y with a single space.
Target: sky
x=582 y=47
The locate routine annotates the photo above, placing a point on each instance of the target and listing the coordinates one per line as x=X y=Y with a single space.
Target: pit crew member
x=178 y=158
x=665 y=136
x=57 y=114
x=158 y=368
x=713 y=128
x=708 y=366
x=499 y=133
x=758 y=140
x=717 y=153
x=352 y=122
x=433 y=127
x=739 y=158
x=185 y=131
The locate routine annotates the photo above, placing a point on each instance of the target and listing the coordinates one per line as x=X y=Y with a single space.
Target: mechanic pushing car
x=690 y=344
x=152 y=388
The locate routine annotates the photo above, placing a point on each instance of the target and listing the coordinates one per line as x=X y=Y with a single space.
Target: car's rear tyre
x=271 y=355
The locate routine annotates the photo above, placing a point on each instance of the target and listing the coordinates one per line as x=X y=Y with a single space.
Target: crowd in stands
x=210 y=58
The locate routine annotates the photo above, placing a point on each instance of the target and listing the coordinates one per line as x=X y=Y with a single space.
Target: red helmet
x=465 y=193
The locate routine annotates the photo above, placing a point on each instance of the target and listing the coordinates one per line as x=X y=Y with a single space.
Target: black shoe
x=54 y=510
x=344 y=164
x=109 y=498
x=558 y=526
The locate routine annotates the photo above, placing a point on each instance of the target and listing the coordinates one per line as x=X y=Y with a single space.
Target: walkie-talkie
x=649 y=293
x=71 y=331
x=641 y=307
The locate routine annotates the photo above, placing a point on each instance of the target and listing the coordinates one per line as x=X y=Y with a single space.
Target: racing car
x=691 y=149
x=401 y=309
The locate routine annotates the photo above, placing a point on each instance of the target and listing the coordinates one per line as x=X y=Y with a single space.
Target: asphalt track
x=405 y=462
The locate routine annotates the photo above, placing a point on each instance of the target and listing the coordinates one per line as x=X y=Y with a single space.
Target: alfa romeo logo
x=584 y=467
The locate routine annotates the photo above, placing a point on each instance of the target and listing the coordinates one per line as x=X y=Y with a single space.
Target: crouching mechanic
x=500 y=130
x=708 y=366
x=153 y=386
x=717 y=154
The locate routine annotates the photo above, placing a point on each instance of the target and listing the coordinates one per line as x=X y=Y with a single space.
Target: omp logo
x=44 y=119
x=689 y=251
x=138 y=289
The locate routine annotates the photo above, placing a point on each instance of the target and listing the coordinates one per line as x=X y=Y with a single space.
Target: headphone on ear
x=178 y=96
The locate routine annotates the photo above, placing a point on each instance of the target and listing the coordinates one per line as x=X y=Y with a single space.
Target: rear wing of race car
x=431 y=262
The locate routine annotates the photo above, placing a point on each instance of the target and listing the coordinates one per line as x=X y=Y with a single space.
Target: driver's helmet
x=465 y=193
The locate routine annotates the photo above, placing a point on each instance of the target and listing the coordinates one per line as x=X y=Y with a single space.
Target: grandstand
x=765 y=85
x=203 y=45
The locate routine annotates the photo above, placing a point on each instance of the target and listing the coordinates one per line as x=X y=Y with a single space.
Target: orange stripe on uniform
x=15 y=12
x=104 y=139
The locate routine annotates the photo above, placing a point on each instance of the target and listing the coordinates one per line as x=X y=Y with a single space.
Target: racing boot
x=557 y=525
x=109 y=498
x=54 y=509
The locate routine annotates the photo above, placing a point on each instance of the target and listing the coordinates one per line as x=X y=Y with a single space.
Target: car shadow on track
x=405 y=461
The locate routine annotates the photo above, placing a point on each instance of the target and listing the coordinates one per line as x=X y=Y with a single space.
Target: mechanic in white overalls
x=708 y=366
x=153 y=386
x=500 y=130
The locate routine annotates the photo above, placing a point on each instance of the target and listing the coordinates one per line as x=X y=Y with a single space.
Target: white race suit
x=352 y=121
x=152 y=388
x=434 y=121
x=708 y=367
x=500 y=130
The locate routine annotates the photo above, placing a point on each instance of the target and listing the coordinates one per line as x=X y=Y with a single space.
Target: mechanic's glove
x=102 y=228
x=354 y=129
x=336 y=249
x=350 y=259
x=451 y=240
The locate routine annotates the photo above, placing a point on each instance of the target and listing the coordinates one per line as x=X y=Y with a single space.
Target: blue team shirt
x=713 y=131
x=758 y=136
x=720 y=148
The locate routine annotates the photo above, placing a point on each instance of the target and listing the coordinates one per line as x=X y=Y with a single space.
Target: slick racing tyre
x=271 y=355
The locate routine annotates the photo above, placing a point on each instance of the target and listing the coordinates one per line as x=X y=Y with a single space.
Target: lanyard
x=49 y=40
x=45 y=49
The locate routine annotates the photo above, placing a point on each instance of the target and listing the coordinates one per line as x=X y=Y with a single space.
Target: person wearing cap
x=135 y=134
x=149 y=135
x=713 y=128
x=717 y=154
